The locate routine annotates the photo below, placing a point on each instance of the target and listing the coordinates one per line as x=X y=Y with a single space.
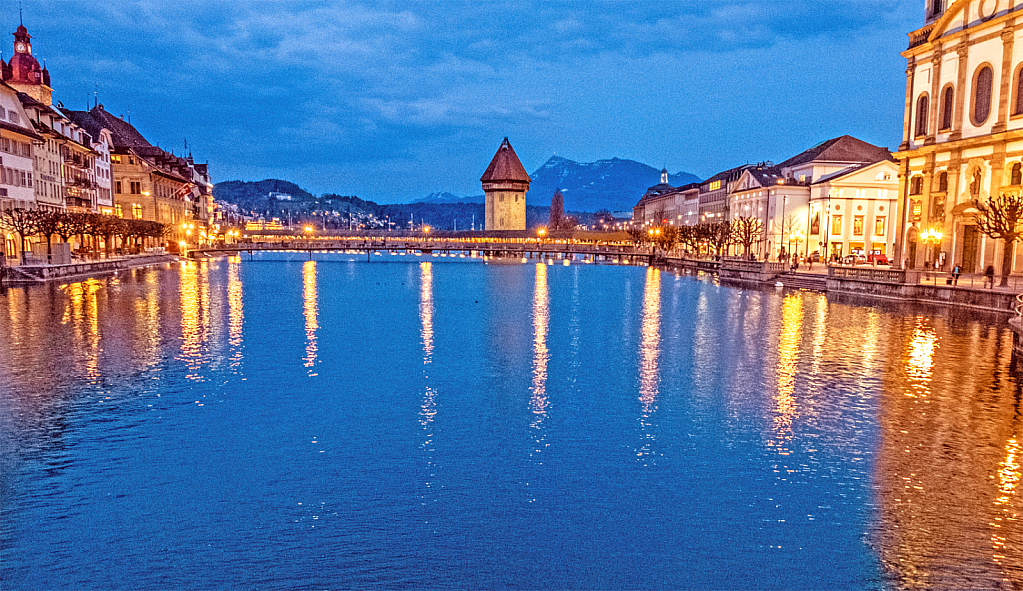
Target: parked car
x=876 y=256
x=854 y=259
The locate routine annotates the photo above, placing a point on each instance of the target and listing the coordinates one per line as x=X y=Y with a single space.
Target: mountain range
x=614 y=184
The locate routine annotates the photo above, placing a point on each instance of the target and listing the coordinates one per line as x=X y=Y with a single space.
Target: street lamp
x=932 y=236
x=797 y=237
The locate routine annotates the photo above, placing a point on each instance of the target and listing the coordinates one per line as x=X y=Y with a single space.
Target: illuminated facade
x=963 y=128
x=835 y=198
x=505 y=184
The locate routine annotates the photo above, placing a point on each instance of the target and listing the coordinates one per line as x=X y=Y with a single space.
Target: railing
x=868 y=274
x=1019 y=306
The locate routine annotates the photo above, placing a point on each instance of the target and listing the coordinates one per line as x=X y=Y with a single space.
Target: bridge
x=479 y=247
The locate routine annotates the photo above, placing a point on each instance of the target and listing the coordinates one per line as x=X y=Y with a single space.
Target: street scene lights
x=933 y=237
x=796 y=236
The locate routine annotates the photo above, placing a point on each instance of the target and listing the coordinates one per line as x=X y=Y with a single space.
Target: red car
x=878 y=257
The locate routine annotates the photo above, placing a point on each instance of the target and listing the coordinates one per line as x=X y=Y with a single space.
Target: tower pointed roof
x=505 y=166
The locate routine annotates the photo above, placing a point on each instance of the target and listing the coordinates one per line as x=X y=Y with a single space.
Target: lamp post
x=796 y=236
x=933 y=237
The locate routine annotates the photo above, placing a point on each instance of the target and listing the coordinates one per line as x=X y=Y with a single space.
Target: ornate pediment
x=963 y=14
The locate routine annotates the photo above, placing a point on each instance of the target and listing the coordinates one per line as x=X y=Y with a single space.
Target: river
x=434 y=422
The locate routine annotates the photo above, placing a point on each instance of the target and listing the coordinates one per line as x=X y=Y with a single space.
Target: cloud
x=324 y=85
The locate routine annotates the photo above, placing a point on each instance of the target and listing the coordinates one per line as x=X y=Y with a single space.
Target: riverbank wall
x=38 y=274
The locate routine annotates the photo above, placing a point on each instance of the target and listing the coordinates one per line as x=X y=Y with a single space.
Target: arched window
x=921 y=115
x=982 y=95
x=1017 y=109
x=916 y=185
x=947 y=104
x=943 y=182
x=1016 y=176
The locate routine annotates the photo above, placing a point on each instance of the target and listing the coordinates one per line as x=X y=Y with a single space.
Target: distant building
x=663 y=204
x=505 y=184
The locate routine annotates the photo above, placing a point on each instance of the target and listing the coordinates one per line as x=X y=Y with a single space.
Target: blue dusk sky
x=394 y=100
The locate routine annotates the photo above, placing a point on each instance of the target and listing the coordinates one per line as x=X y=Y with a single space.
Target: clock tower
x=24 y=73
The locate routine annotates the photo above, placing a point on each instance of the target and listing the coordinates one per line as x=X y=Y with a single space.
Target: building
x=16 y=163
x=148 y=182
x=963 y=130
x=833 y=198
x=505 y=184
x=714 y=193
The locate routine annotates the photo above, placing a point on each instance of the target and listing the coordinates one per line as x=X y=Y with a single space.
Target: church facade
x=963 y=130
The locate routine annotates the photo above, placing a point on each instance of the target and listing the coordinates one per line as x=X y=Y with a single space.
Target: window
x=916 y=185
x=947 y=104
x=921 y=115
x=116 y=159
x=943 y=182
x=136 y=188
x=714 y=186
x=879 y=226
x=982 y=95
x=858 y=225
x=136 y=211
x=117 y=186
x=1016 y=176
x=118 y=212
x=836 y=225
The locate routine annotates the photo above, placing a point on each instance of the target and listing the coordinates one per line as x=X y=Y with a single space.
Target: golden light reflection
x=649 y=354
x=786 y=411
x=920 y=360
x=236 y=311
x=541 y=355
x=310 y=304
x=82 y=310
x=1009 y=475
x=194 y=296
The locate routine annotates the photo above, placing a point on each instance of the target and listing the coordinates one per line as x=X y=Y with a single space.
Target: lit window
x=714 y=186
x=858 y=225
x=136 y=211
x=879 y=226
x=836 y=225
x=118 y=212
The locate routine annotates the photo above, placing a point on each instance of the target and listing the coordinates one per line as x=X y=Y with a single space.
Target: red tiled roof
x=505 y=166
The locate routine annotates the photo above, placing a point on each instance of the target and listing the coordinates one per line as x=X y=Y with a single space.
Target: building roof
x=505 y=166
x=841 y=149
x=123 y=134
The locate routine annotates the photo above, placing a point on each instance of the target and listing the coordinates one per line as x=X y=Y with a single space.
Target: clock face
x=20 y=47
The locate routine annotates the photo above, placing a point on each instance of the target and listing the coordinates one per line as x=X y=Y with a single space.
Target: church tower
x=25 y=73
x=505 y=184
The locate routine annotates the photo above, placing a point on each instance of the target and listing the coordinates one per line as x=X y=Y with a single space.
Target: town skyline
x=392 y=104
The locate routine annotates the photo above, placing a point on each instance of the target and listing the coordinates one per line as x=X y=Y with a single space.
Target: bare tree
x=667 y=238
x=718 y=235
x=557 y=218
x=747 y=232
x=21 y=222
x=47 y=224
x=1002 y=219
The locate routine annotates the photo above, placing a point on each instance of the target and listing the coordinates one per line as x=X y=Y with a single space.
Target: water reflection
x=649 y=353
x=538 y=402
x=236 y=309
x=948 y=466
x=82 y=311
x=310 y=307
x=428 y=409
x=194 y=292
x=786 y=409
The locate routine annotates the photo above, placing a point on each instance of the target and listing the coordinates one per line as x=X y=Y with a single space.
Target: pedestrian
x=956 y=272
x=989 y=276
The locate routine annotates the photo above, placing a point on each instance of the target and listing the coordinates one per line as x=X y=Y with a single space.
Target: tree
x=557 y=218
x=21 y=222
x=717 y=235
x=747 y=231
x=639 y=235
x=1001 y=218
x=47 y=224
x=667 y=238
x=689 y=238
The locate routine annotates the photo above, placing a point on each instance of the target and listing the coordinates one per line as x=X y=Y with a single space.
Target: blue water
x=440 y=423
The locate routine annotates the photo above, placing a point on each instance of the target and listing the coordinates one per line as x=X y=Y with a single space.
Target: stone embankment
x=37 y=274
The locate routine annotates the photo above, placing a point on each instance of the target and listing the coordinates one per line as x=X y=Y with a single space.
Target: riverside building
x=963 y=130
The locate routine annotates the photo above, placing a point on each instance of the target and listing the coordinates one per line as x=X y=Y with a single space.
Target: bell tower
x=25 y=73
x=934 y=9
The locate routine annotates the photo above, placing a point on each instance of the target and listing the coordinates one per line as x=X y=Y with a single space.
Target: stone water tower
x=505 y=184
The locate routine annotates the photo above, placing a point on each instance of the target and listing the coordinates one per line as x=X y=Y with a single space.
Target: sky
x=392 y=101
